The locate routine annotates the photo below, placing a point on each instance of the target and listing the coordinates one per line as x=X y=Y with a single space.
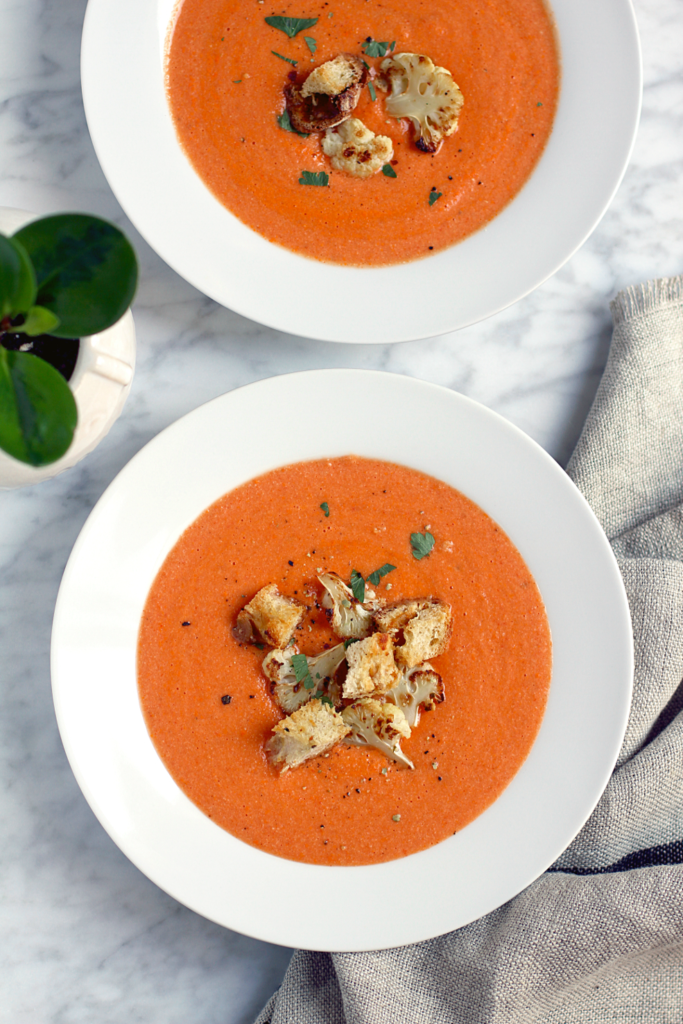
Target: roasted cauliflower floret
x=328 y=95
x=310 y=731
x=269 y=618
x=355 y=150
x=348 y=617
x=372 y=668
x=425 y=94
x=418 y=687
x=292 y=694
x=420 y=629
x=375 y=724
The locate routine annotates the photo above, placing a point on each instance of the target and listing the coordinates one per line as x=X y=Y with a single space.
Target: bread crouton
x=355 y=150
x=269 y=618
x=310 y=731
x=420 y=629
x=372 y=668
x=316 y=105
x=376 y=724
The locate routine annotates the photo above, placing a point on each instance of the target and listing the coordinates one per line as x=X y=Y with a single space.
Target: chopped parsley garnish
x=326 y=508
x=376 y=48
x=236 y=81
x=290 y=26
x=288 y=59
x=314 y=178
x=302 y=671
x=357 y=585
x=421 y=544
x=311 y=44
x=324 y=699
x=371 y=90
x=433 y=196
x=352 y=640
x=539 y=104
x=389 y=171
x=286 y=125
x=376 y=576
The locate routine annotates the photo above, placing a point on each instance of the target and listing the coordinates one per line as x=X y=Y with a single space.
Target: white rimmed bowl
x=554 y=213
x=140 y=517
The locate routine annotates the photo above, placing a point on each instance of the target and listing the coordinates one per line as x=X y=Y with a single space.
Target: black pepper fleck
x=226 y=698
x=185 y=623
x=290 y=562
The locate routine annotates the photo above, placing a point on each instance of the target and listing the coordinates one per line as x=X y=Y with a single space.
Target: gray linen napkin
x=599 y=937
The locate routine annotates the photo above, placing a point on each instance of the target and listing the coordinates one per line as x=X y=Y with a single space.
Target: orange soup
x=226 y=71
x=209 y=709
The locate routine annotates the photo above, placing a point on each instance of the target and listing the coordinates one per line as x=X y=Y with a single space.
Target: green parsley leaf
x=539 y=104
x=290 y=26
x=236 y=81
x=311 y=44
x=314 y=178
x=421 y=543
x=286 y=125
x=357 y=585
x=324 y=699
x=371 y=90
x=326 y=509
x=374 y=577
x=389 y=171
x=301 y=670
x=433 y=196
x=375 y=48
x=288 y=59
x=352 y=640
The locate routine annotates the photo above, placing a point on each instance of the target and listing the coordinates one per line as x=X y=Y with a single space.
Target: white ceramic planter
x=100 y=384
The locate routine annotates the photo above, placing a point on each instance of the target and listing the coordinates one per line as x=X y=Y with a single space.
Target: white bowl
x=529 y=240
x=140 y=517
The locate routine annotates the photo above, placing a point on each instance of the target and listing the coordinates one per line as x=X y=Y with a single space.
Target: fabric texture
x=599 y=937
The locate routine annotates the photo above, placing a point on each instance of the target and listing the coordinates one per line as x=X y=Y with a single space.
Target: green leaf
x=376 y=48
x=288 y=59
x=326 y=509
x=38 y=321
x=38 y=413
x=357 y=585
x=17 y=278
x=285 y=123
x=371 y=90
x=352 y=640
x=314 y=178
x=324 y=699
x=311 y=44
x=290 y=26
x=302 y=671
x=86 y=271
x=421 y=544
x=433 y=196
x=389 y=171
x=376 y=576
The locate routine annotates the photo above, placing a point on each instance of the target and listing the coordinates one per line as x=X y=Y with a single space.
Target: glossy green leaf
x=290 y=26
x=85 y=268
x=17 y=279
x=38 y=321
x=357 y=585
x=38 y=413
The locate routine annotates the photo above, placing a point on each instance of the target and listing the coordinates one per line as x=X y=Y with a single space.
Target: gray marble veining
x=85 y=937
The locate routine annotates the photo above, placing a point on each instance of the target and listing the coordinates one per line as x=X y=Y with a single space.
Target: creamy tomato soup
x=225 y=89
x=209 y=710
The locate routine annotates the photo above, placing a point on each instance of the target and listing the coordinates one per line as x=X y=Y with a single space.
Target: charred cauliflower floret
x=425 y=94
x=292 y=694
x=355 y=150
x=375 y=724
x=419 y=687
x=372 y=668
x=269 y=618
x=309 y=732
x=420 y=629
x=328 y=95
x=348 y=617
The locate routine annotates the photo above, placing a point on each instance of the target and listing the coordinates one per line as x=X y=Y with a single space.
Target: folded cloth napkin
x=599 y=937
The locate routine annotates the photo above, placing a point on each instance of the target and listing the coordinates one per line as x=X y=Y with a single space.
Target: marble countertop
x=84 y=936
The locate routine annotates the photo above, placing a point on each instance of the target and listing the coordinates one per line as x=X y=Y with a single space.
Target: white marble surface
x=85 y=937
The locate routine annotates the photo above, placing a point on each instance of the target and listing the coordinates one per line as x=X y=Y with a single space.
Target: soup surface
x=225 y=89
x=342 y=808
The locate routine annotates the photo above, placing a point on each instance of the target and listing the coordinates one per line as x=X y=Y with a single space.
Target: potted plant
x=65 y=281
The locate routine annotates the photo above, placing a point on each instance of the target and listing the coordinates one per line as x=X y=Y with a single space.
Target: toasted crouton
x=355 y=150
x=420 y=630
x=372 y=668
x=269 y=618
x=310 y=731
x=323 y=99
